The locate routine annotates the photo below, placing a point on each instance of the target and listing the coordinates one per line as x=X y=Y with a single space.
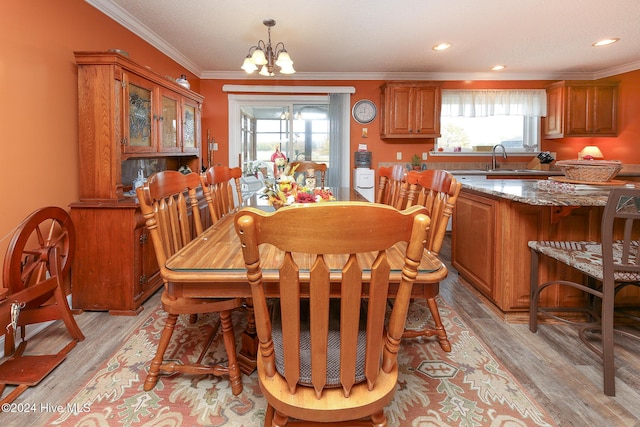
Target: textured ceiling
x=333 y=39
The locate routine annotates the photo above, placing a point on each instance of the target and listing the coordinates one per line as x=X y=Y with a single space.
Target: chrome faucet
x=494 y=164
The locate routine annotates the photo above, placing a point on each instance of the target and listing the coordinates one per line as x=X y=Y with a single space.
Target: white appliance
x=364 y=181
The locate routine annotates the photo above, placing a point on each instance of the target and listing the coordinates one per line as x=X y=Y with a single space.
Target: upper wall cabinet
x=410 y=110
x=128 y=112
x=582 y=108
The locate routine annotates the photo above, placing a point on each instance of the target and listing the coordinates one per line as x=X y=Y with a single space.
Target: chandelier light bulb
x=284 y=59
x=258 y=57
x=264 y=71
x=249 y=65
x=287 y=69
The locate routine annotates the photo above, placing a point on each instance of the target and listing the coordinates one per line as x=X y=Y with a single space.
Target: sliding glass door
x=297 y=125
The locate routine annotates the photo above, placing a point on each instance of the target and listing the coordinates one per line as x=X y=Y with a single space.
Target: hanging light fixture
x=265 y=56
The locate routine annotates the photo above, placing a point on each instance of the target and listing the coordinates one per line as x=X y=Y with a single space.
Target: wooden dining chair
x=391 y=186
x=305 y=166
x=330 y=357
x=608 y=266
x=169 y=204
x=218 y=185
x=438 y=191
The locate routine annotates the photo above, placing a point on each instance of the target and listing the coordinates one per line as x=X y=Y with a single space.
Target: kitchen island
x=495 y=218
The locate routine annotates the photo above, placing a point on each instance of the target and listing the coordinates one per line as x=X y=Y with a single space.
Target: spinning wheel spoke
x=27 y=259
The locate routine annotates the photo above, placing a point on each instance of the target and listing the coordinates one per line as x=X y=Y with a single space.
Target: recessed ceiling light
x=605 y=42
x=441 y=46
x=498 y=67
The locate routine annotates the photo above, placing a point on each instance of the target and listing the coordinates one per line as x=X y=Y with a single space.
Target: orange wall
x=624 y=147
x=38 y=112
x=39 y=108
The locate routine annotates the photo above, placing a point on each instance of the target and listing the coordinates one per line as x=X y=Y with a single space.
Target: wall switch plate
x=424 y=156
x=399 y=155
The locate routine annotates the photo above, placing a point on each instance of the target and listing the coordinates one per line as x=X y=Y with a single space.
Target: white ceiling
x=382 y=39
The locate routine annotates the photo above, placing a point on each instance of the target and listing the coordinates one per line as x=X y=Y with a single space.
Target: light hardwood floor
x=553 y=365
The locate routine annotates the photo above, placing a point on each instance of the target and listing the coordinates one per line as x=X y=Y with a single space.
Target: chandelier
x=264 y=55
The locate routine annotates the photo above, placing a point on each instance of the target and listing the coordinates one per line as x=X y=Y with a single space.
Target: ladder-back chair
x=218 y=185
x=323 y=359
x=438 y=191
x=608 y=266
x=305 y=166
x=165 y=200
x=391 y=186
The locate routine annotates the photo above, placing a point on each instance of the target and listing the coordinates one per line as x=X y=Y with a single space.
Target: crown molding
x=414 y=76
x=125 y=19
x=620 y=69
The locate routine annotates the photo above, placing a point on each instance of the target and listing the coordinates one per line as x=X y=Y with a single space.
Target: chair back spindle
x=218 y=185
x=391 y=189
x=438 y=191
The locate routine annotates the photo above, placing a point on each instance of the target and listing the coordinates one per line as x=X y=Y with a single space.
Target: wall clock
x=364 y=111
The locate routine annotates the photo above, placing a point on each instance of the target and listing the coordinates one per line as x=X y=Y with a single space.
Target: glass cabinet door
x=138 y=125
x=189 y=127
x=168 y=122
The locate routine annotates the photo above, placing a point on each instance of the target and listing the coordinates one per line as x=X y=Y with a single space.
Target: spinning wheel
x=45 y=228
x=34 y=293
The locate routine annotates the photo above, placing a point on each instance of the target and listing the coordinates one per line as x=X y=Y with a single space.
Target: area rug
x=466 y=387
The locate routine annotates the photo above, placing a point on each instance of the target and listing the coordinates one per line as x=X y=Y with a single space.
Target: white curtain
x=337 y=173
x=494 y=102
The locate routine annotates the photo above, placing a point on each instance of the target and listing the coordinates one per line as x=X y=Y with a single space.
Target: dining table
x=212 y=266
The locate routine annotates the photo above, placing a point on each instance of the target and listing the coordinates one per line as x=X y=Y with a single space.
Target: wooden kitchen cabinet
x=474 y=260
x=129 y=117
x=489 y=249
x=581 y=108
x=410 y=110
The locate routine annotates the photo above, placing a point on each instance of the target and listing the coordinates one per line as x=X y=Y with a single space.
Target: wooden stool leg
x=152 y=377
x=230 y=346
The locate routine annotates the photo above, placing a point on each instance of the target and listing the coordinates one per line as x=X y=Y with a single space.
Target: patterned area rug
x=467 y=387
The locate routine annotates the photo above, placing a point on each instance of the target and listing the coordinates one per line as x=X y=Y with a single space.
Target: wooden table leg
x=249 y=348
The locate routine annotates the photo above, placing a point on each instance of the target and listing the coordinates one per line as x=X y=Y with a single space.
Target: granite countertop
x=540 y=192
x=627 y=172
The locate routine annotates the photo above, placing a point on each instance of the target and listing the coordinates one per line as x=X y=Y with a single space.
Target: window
x=476 y=120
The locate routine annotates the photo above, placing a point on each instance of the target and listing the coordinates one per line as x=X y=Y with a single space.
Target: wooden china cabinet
x=410 y=110
x=581 y=108
x=130 y=118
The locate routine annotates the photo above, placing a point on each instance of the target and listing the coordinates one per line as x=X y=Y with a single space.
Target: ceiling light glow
x=605 y=42
x=441 y=46
x=498 y=67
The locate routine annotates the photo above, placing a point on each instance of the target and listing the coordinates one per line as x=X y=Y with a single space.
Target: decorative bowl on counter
x=590 y=170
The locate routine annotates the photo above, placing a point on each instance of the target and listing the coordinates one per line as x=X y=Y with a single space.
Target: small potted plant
x=415 y=162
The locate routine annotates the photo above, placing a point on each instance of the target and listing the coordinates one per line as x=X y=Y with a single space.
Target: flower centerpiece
x=286 y=191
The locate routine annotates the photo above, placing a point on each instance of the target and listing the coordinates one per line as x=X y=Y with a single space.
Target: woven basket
x=590 y=170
